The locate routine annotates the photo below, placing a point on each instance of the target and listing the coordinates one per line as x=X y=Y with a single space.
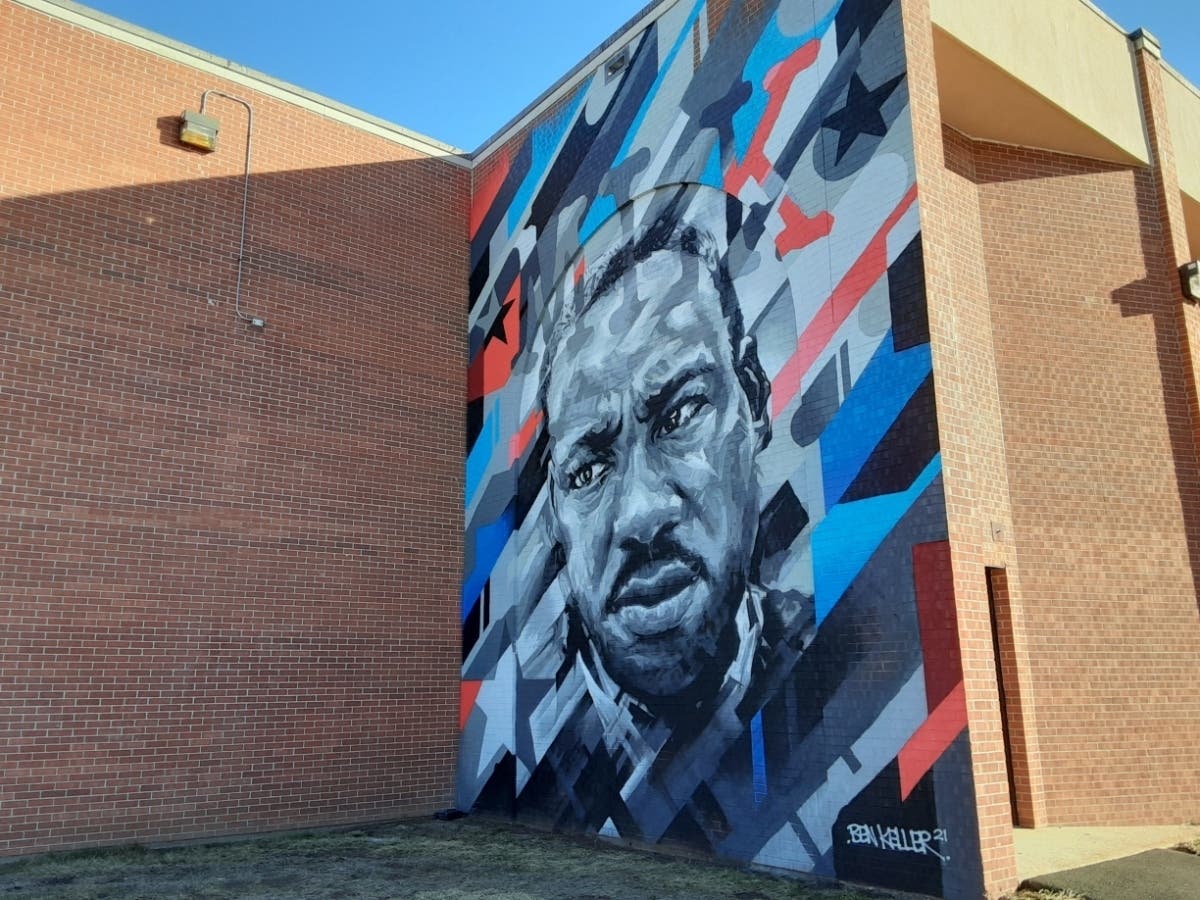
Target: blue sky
x=458 y=70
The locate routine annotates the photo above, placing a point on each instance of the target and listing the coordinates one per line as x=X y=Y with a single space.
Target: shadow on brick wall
x=1158 y=296
x=1075 y=205
x=231 y=556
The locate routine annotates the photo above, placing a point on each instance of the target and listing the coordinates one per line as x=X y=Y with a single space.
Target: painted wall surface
x=707 y=596
x=1183 y=115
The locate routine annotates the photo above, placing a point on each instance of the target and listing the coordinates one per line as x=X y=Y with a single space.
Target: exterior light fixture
x=198 y=130
x=616 y=64
x=1189 y=274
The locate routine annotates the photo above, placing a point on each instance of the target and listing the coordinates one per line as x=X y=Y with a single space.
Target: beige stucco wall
x=1066 y=50
x=1183 y=115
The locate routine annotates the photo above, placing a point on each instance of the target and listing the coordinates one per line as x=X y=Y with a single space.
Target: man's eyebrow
x=658 y=401
x=599 y=437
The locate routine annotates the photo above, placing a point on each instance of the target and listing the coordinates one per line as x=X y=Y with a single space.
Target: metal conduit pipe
x=241 y=257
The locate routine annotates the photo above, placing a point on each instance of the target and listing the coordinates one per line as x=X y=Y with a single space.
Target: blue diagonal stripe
x=849 y=536
x=878 y=397
x=481 y=454
x=490 y=541
x=758 y=753
x=602 y=207
x=685 y=34
x=544 y=142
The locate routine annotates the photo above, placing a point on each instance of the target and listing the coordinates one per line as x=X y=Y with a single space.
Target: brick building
x=958 y=422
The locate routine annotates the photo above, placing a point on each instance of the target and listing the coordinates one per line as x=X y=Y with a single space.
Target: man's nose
x=646 y=501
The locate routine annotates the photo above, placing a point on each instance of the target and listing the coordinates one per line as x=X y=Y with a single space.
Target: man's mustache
x=641 y=556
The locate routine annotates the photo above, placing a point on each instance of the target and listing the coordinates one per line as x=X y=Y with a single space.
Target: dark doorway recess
x=1004 y=653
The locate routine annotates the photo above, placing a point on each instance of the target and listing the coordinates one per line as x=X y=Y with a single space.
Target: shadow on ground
x=1151 y=875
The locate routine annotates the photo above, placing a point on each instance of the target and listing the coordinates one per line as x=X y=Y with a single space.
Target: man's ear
x=757 y=386
x=552 y=525
x=553 y=529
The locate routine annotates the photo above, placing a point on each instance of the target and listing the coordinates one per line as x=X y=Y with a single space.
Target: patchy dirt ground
x=429 y=860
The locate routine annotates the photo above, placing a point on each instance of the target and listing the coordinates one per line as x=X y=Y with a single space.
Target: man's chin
x=663 y=673
x=669 y=652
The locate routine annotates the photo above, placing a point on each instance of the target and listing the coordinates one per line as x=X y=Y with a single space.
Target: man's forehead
x=666 y=295
x=622 y=313
x=662 y=265
x=665 y=313
x=647 y=291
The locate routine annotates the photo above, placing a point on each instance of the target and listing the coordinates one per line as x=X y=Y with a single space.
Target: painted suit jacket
x=616 y=769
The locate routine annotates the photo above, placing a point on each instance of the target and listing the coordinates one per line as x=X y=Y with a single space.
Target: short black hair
x=665 y=233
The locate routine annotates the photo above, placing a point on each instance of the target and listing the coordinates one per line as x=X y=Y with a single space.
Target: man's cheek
x=585 y=557
x=695 y=469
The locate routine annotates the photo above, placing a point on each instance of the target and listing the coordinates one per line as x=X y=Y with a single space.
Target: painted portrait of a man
x=707 y=599
x=656 y=409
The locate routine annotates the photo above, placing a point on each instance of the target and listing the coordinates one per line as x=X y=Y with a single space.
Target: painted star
x=861 y=113
x=497 y=332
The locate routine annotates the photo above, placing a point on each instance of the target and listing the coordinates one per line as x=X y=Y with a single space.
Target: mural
x=707 y=596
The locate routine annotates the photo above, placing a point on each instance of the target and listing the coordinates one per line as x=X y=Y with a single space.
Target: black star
x=497 y=331
x=861 y=113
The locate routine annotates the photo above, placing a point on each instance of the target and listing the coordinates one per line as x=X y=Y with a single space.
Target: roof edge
x=1182 y=79
x=109 y=26
x=650 y=13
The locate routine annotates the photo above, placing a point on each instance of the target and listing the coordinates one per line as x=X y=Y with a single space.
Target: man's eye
x=679 y=416
x=587 y=474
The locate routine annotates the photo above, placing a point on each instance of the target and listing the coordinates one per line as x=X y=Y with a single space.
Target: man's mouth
x=654 y=582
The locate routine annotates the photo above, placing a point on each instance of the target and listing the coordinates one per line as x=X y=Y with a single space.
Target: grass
x=1192 y=846
x=464 y=860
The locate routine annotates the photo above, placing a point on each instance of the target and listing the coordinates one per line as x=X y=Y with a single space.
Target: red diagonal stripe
x=519 y=442
x=467 y=692
x=937 y=618
x=867 y=270
x=932 y=739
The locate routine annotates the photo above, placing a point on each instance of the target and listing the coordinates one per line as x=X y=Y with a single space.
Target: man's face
x=653 y=444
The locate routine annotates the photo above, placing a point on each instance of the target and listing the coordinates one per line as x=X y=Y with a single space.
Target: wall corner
x=970 y=434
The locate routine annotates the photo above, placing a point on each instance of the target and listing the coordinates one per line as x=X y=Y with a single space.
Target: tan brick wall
x=1168 y=252
x=1102 y=469
x=1065 y=394
x=971 y=435
x=229 y=603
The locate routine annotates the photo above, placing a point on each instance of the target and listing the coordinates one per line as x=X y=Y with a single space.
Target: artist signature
x=900 y=840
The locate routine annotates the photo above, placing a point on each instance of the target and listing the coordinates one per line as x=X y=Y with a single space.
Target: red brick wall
x=1102 y=468
x=229 y=558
